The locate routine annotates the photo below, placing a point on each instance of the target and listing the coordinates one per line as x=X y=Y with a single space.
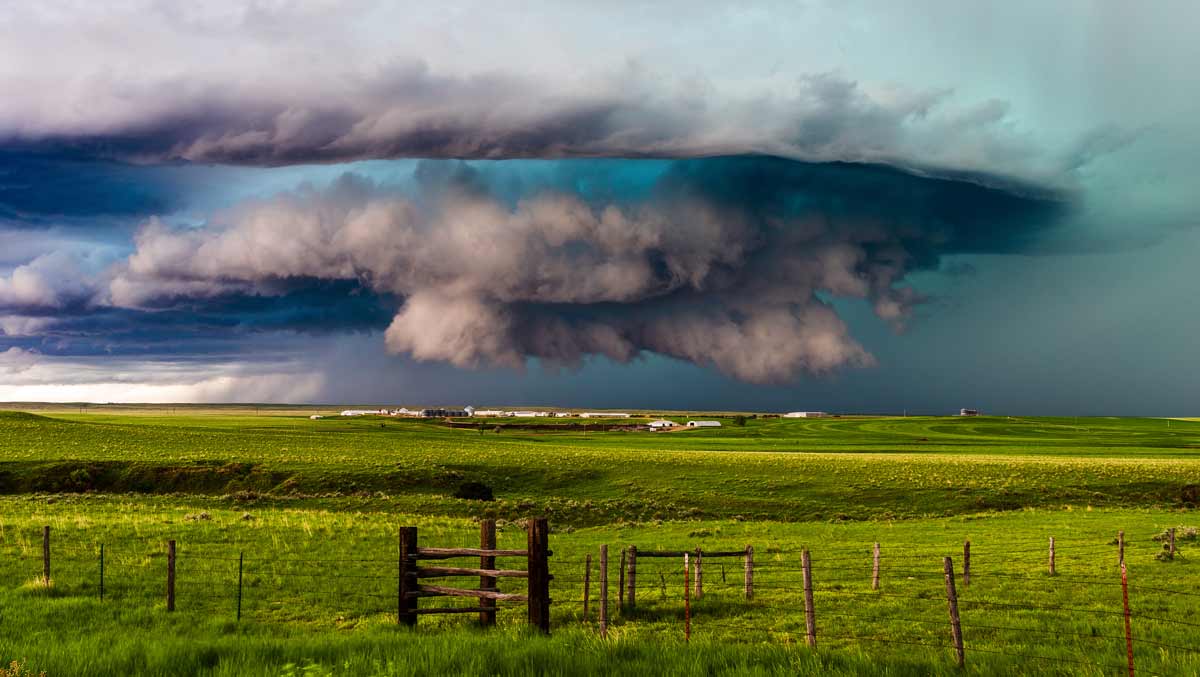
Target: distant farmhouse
x=968 y=412
x=805 y=414
x=444 y=413
x=704 y=424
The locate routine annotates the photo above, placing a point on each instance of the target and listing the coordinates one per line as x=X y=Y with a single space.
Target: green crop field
x=313 y=506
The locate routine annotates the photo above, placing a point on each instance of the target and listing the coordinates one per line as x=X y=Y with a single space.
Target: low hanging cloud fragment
x=727 y=262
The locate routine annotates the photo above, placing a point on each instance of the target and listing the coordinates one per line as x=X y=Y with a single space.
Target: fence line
x=884 y=571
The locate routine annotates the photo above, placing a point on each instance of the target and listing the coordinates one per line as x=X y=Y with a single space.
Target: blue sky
x=767 y=206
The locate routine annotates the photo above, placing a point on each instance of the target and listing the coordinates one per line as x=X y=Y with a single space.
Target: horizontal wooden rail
x=442 y=553
x=480 y=594
x=438 y=572
x=454 y=610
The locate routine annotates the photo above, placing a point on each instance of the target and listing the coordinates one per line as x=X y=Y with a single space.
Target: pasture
x=313 y=507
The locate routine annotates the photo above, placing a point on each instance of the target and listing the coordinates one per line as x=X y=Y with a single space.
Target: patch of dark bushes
x=474 y=491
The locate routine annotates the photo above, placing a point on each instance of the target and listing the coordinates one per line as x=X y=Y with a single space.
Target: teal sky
x=855 y=206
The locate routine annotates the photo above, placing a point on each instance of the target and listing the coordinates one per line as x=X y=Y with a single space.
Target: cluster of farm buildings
x=472 y=412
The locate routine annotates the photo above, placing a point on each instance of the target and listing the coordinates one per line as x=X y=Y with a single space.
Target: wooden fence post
x=1120 y=547
x=587 y=585
x=1171 y=551
x=539 y=574
x=687 y=599
x=487 y=541
x=46 y=555
x=699 y=567
x=406 y=603
x=810 y=614
x=170 y=575
x=631 y=579
x=603 y=591
x=1128 y=630
x=952 y=603
x=749 y=582
x=621 y=583
x=875 y=569
x=241 y=562
x=966 y=563
x=101 y=572
x=1052 y=569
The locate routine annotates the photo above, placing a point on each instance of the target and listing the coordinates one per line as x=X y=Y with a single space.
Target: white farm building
x=604 y=414
x=805 y=414
x=704 y=424
x=365 y=412
x=662 y=425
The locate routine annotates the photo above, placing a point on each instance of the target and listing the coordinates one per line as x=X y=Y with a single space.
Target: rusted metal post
x=875 y=569
x=604 y=591
x=587 y=585
x=1128 y=629
x=952 y=604
x=241 y=563
x=631 y=579
x=810 y=614
x=687 y=599
x=170 y=575
x=1120 y=547
x=621 y=582
x=749 y=576
x=487 y=541
x=966 y=563
x=46 y=555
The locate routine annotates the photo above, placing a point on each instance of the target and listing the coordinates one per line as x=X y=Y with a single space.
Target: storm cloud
x=728 y=262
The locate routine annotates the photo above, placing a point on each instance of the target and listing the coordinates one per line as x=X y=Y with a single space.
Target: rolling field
x=313 y=507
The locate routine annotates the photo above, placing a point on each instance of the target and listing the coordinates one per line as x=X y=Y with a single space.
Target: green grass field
x=314 y=506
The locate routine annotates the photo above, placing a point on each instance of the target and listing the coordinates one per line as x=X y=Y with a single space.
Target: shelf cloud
x=727 y=262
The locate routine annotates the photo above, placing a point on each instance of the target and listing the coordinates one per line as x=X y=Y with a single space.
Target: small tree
x=739 y=421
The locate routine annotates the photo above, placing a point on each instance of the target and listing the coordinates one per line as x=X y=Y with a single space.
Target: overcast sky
x=853 y=206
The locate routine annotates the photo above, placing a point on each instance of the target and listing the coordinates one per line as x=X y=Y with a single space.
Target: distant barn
x=968 y=412
x=704 y=424
x=805 y=414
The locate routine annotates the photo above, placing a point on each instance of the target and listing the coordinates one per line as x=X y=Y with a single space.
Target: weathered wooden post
x=1120 y=547
x=631 y=579
x=407 y=601
x=539 y=574
x=1052 y=569
x=1171 y=551
x=604 y=591
x=587 y=585
x=170 y=575
x=699 y=567
x=101 y=572
x=1128 y=630
x=487 y=541
x=952 y=603
x=241 y=562
x=687 y=599
x=966 y=563
x=810 y=614
x=621 y=583
x=748 y=584
x=46 y=555
x=875 y=569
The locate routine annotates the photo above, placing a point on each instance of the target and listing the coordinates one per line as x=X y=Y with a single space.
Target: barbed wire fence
x=1031 y=594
